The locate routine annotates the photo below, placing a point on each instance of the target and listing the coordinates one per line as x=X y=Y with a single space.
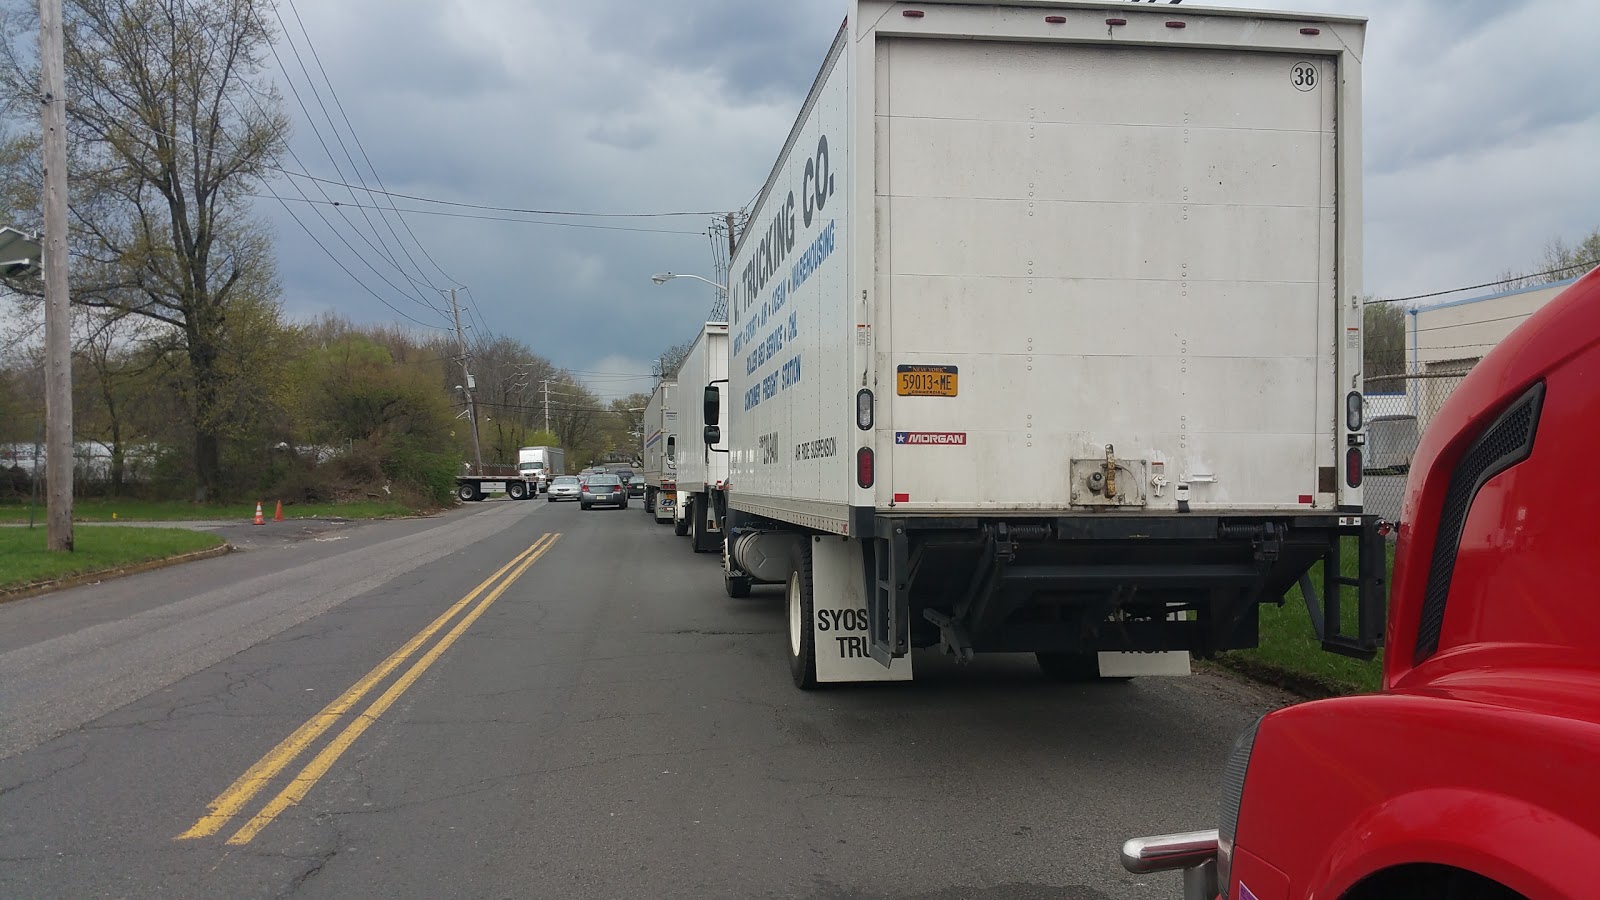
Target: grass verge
x=25 y=561
x=112 y=510
x=1289 y=654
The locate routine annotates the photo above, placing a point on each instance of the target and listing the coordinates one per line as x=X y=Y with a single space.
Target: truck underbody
x=1105 y=583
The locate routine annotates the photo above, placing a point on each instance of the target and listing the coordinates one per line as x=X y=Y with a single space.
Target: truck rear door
x=1093 y=246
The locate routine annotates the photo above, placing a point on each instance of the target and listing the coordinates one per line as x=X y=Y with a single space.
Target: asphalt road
x=607 y=724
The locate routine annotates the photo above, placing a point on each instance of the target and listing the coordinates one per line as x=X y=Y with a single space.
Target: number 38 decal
x=1304 y=76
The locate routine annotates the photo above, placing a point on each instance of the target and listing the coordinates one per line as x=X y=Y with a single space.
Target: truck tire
x=680 y=521
x=467 y=492
x=1072 y=668
x=801 y=608
x=698 y=535
x=650 y=500
x=516 y=490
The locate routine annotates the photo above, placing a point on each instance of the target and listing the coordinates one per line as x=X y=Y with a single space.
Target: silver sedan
x=563 y=487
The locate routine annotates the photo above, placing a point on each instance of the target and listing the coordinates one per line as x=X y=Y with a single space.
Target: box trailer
x=660 y=452
x=1045 y=336
x=702 y=466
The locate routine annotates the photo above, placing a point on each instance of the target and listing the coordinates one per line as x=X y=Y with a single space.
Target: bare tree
x=1560 y=261
x=172 y=120
x=671 y=359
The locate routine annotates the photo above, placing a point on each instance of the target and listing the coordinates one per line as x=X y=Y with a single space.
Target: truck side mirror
x=713 y=404
x=713 y=435
x=672 y=447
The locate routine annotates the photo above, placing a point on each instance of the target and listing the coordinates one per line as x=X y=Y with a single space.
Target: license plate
x=926 y=381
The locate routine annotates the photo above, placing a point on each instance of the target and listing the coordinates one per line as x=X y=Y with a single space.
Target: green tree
x=1384 y=332
x=172 y=120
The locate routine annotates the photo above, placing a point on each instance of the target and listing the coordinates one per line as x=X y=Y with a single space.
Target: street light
x=665 y=277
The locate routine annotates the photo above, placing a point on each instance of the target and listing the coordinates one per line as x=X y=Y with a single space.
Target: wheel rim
x=794 y=614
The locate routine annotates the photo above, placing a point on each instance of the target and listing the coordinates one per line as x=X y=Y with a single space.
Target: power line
x=1580 y=268
x=292 y=174
x=382 y=252
x=324 y=248
x=420 y=199
x=451 y=215
x=359 y=146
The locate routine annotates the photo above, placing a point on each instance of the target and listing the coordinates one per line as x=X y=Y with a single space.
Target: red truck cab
x=1475 y=772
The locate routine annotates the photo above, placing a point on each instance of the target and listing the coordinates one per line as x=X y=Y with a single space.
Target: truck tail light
x=584 y=488
x=864 y=473
x=864 y=409
x=1352 y=467
x=1354 y=411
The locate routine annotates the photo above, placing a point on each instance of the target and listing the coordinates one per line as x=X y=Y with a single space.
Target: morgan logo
x=934 y=438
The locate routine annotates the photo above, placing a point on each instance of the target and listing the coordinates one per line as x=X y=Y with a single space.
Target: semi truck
x=1470 y=774
x=1045 y=336
x=540 y=464
x=660 y=451
x=703 y=469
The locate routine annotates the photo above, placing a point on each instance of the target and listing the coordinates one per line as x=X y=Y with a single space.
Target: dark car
x=603 y=490
x=636 y=486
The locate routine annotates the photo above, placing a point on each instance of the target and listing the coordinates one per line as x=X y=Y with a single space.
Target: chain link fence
x=1399 y=408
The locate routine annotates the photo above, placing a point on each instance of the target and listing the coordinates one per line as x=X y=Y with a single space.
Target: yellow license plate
x=926 y=381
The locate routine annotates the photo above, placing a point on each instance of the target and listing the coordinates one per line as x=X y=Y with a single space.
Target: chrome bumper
x=1194 y=852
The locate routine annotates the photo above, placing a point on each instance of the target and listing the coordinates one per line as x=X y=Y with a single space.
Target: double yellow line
x=231 y=801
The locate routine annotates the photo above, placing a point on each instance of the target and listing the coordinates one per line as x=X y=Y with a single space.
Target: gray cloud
x=1480 y=123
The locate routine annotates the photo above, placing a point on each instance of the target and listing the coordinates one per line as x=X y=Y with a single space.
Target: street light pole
x=57 y=313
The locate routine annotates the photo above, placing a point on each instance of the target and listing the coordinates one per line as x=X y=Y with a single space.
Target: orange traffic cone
x=278 y=516
x=260 y=520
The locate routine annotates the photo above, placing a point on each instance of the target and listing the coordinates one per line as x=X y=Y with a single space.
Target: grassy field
x=1289 y=650
x=24 y=560
x=108 y=510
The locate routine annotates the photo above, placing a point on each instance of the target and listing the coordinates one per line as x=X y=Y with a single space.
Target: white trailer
x=1046 y=337
x=659 y=454
x=702 y=467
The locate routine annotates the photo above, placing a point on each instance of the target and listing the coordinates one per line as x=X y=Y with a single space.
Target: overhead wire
x=331 y=255
x=338 y=104
x=451 y=215
x=294 y=91
x=1577 y=268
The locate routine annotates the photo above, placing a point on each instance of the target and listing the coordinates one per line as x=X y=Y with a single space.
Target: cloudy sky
x=1482 y=126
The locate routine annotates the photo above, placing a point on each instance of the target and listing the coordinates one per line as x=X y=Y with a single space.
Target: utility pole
x=472 y=386
x=547 y=404
x=57 y=313
x=733 y=241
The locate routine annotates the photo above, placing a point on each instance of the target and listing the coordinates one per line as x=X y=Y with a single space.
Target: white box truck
x=702 y=467
x=660 y=452
x=541 y=464
x=1046 y=337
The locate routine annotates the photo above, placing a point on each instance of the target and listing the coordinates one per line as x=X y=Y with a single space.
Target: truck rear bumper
x=1115 y=582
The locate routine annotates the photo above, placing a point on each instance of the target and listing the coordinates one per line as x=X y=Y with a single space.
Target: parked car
x=564 y=487
x=636 y=486
x=1470 y=776
x=605 y=490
